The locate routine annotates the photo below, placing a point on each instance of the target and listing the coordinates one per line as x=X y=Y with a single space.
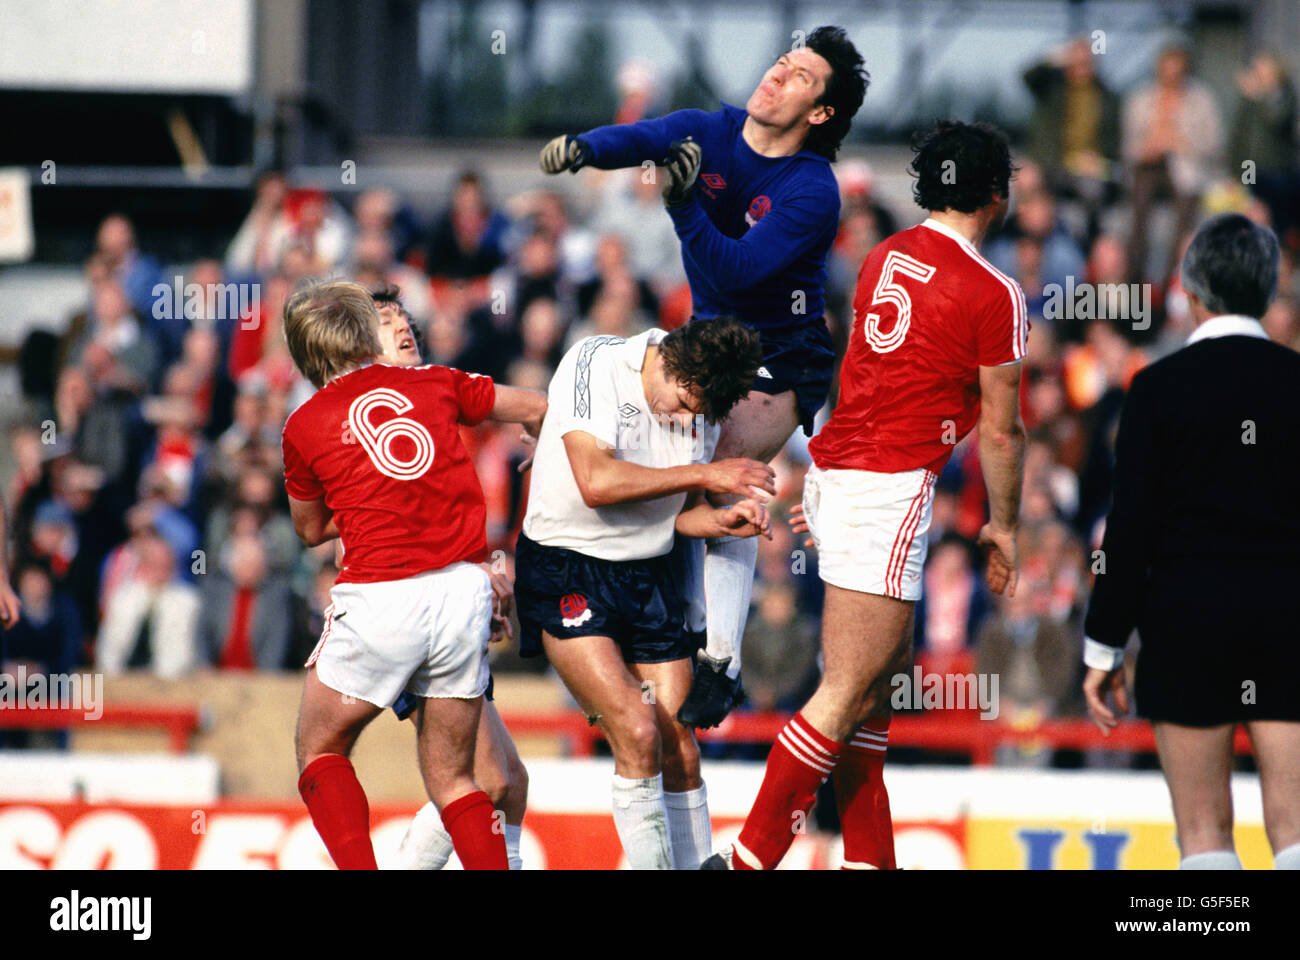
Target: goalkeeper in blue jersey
x=754 y=201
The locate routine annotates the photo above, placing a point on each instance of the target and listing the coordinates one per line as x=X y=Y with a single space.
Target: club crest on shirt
x=574 y=611
x=758 y=208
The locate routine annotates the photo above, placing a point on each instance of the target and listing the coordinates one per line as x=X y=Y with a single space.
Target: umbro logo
x=714 y=180
x=629 y=411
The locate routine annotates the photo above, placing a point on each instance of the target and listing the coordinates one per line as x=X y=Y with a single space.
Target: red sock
x=469 y=821
x=338 y=807
x=863 y=801
x=800 y=761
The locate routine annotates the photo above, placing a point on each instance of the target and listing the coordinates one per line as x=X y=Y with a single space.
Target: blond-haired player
x=375 y=459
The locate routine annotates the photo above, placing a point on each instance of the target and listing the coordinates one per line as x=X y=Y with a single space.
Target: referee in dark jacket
x=1202 y=553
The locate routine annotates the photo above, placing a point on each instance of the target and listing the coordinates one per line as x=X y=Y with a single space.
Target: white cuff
x=1101 y=656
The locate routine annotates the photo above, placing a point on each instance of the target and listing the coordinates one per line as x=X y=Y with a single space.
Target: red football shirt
x=382 y=446
x=929 y=311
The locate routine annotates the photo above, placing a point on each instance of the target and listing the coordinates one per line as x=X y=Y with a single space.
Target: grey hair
x=1231 y=266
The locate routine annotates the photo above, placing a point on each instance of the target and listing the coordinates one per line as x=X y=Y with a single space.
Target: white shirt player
x=597 y=389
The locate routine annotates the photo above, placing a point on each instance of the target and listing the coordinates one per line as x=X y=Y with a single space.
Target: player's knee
x=637 y=738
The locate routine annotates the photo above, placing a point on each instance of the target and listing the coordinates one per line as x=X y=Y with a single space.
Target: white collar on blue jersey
x=1227 y=325
x=947 y=231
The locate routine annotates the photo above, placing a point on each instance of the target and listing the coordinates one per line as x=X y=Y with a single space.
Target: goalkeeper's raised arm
x=623 y=144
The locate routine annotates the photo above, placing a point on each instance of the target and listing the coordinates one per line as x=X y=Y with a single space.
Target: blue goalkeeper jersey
x=756 y=233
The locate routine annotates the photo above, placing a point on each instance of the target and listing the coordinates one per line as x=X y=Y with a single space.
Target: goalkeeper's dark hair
x=388 y=295
x=717 y=357
x=845 y=90
x=960 y=166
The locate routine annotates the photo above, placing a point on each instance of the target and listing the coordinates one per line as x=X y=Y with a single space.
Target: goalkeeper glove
x=681 y=168
x=564 y=153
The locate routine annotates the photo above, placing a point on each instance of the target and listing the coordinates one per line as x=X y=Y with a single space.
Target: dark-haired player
x=938 y=336
x=755 y=233
x=622 y=463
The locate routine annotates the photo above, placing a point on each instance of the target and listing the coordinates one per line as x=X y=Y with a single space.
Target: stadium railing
x=961 y=732
x=956 y=732
x=180 y=722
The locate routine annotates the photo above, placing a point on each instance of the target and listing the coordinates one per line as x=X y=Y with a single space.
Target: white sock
x=513 y=830
x=1213 y=860
x=1288 y=858
x=642 y=822
x=728 y=582
x=426 y=846
x=690 y=828
x=692 y=560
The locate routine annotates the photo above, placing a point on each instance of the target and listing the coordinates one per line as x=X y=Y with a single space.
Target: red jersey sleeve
x=476 y=395
x=299 y=480
x=1001 y=325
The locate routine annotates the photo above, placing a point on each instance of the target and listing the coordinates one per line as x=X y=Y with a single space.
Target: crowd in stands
x=150 y=520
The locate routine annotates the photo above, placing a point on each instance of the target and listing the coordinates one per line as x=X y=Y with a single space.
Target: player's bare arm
x=1002 y=457
x=520 y=405
x=603 y=479
x=312 y=521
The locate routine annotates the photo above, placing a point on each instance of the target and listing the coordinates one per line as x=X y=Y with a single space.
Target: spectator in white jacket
x=151 y=615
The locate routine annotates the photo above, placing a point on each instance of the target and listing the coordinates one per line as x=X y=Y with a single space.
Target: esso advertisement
x=281 y=837
x=944 y=819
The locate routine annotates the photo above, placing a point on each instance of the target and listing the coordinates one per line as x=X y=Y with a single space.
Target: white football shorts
x=427 y=634
x=870 y=528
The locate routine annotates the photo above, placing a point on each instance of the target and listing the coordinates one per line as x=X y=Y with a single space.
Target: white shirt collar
x=1227 y=325
x=634 y=349
x=947 y=231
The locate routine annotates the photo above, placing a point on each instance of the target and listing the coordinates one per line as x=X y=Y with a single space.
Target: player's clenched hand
x=563 y=153
x=1000 y=545
x=680 y=170
x=748 y=478
x=748 y=518
x=1096 y=683
x=799 y=524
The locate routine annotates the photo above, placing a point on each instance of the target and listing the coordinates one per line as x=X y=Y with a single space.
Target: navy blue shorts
x=801 y=359
x=406 y=703
x=637 y=603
